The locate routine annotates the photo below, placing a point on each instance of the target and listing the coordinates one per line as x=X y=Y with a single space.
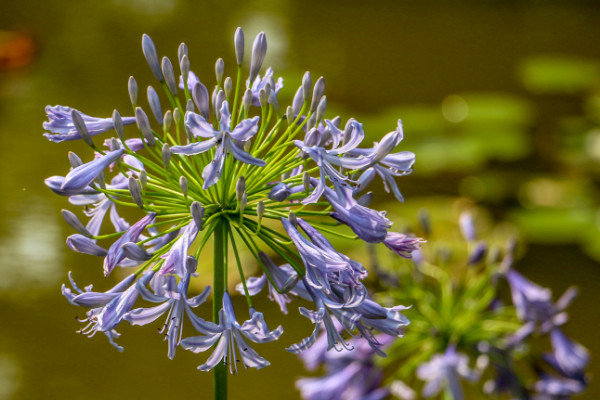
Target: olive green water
x=392 y=54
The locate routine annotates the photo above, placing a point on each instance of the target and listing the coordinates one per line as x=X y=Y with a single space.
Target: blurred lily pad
x=560 y=74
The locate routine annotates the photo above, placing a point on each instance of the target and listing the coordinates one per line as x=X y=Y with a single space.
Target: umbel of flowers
x=231 y=168
x=464 y=332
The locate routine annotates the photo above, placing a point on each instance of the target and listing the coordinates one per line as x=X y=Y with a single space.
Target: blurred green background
x=500 y=102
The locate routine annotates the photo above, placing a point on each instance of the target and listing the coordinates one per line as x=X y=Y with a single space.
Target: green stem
x=220 y=376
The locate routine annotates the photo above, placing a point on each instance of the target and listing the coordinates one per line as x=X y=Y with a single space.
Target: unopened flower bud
x=260 y=211
x=238 y=40
x=385 y=146
x=191 y=264
x=306 y=181
x=273 y=101
x=132 y=87
x=306 y=82
x=166 y=155
x=312 y=138
x=167 y=120
x=292 y=218
x=318 y=92
x=259 y=49
x=240 y=188
x=75 y=223
x=74 y=160
x=219 y=102
x=279 y=192
x=243 y=202
x=154 y=102
x=183 y=184
x=289 y=115
x=144 y=125
x=149 y=51
x=201 y=98
x=143 y=180
x=135 y=252
x=182 y=51
x=189 y=106
x=184 y=66
x=247 y=100
x=321 y=108
x=136 y=191
x=227 y=86
x=262 y=97
x=298 y=101
x=177 y=115
x=169 y=74
x=219 y=70
x=197 y=212
x=81 y=128
x=118 y=124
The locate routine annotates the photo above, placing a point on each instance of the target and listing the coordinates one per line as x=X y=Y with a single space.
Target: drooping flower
x=60 y=123
x=229 y=337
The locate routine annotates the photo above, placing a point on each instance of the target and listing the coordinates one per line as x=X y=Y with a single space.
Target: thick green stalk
x=220 y=377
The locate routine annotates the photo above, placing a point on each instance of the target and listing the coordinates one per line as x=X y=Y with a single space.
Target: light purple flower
x=61 y=124
x=369 y=225
x=443 y=371
x=260 y=83
x=176 y=257
x=568 y=358
x=229 y=336
x=173 y=298
x=79 y=178
x=222 y=140
x=401 y=244
x=115 y=252
x=284 y=277
x=351 y=374
x=106 y=309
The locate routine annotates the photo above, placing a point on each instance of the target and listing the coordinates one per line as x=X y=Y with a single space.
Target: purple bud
x=82 y=244
x=263 y=97
x=182 y=51
x=201 y=98
x=167 y=120
x=189 y=106
x=191 y=264
x=240 y=188
x=135 y=252
x=74 y=160
x=478 y=253
x=247 y=100
x=318 y=92
x=197 y=212
x=227 y=86
x=136 y=191
x=154 y=102
x=259 y=49
x=132 y=87
x=219 y=70
x=81 y=128
x=75 y=223
x=149 y=51
x=238 y=40
x=289 y=115
x=298 y=101
x=321 y=108
x=184 y=66
x=118 y=123
x=279 y=192
x=166 y=155
x=306 y=82
x=183 y=184
x=144 y=125
x=169 y=74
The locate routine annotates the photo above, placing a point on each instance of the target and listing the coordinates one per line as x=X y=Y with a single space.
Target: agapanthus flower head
x=226 y=167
